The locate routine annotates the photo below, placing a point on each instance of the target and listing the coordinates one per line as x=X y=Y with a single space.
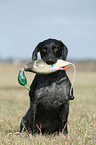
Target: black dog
x=49 y=94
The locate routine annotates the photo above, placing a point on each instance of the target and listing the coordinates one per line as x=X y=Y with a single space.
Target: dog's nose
x=51 y=61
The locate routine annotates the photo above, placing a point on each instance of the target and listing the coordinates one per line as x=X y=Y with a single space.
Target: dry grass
x=14 y=102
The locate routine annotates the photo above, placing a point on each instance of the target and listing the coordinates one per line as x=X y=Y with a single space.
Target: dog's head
x=50 y=50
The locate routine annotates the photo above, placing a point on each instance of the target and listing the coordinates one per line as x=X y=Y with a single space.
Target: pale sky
x=24 y=23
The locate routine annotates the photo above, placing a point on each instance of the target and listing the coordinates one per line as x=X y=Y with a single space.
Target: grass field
x=14 y=102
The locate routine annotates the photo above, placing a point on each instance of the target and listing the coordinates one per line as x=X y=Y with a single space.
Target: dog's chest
x=54 y=92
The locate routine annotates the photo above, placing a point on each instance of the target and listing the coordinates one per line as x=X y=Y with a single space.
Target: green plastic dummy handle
x=22 y=79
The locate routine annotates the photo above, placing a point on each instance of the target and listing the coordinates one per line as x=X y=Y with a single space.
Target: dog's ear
x=36 y=50
x=64 y=51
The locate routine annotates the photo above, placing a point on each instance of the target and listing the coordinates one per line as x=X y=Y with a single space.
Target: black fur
x=49 y=94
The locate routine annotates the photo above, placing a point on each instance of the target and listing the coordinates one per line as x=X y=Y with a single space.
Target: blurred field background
x=14 y=102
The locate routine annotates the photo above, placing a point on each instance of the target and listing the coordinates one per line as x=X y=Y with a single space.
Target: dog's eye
x=55 y=49
x=44 y=50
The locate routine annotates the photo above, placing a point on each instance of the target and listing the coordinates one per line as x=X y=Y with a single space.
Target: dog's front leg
x=64 y=118
x=32 y=115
